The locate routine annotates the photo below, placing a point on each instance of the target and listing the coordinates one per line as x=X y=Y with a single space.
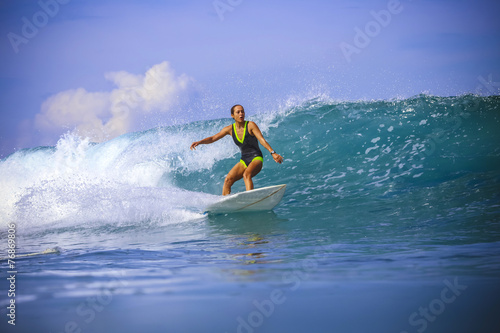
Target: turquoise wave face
x=344 y=147
x=427 y=154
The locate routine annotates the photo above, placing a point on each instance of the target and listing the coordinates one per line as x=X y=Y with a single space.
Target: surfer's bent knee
x=247 y=175
x=229 y=180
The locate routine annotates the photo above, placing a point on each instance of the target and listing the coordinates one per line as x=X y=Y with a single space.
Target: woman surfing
x=245 y=135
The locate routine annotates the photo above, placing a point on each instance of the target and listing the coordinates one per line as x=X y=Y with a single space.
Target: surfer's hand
x=194 y=144
x=277 y=158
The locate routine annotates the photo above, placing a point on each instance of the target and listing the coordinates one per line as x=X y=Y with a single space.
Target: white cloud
x=103 y=115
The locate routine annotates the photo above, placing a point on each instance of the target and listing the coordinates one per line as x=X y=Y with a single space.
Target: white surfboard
x=256 y=200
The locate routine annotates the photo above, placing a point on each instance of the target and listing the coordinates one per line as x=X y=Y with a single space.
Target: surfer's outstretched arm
x=211 y=139
x=255 y=131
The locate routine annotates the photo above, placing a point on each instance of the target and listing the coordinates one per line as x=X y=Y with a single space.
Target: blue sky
x=73 y=65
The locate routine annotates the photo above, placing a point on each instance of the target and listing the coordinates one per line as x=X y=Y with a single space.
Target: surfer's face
x=239 y=113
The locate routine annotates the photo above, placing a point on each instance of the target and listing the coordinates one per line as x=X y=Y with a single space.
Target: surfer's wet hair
x=232 y=109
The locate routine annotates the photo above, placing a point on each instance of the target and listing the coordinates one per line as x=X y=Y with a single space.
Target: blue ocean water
x=390 y=223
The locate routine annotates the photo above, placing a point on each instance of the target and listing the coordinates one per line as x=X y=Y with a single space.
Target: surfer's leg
x=234 y=175
x=253 y=169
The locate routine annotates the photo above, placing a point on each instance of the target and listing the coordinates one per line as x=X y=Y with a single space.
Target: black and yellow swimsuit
x=249 y=146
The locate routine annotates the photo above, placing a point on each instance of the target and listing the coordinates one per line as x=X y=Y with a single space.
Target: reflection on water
x=245 y=223
x=251 y=239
